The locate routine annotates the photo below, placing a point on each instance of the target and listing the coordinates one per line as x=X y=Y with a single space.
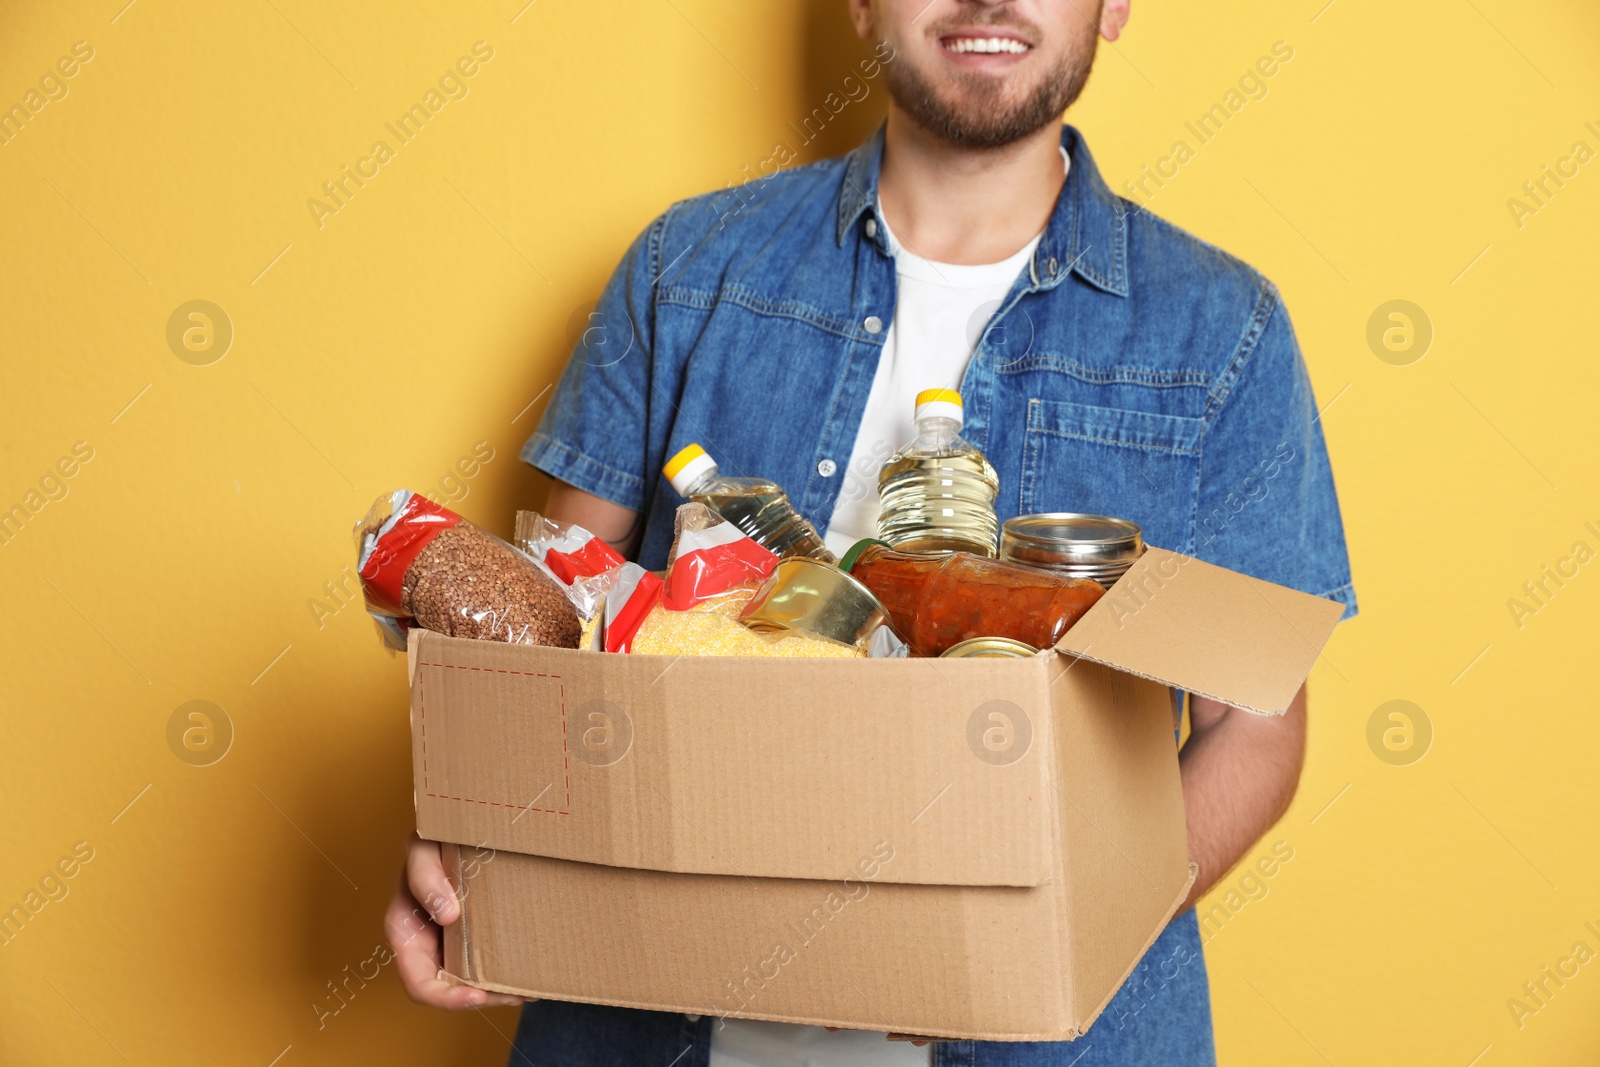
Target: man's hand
x=414 y=933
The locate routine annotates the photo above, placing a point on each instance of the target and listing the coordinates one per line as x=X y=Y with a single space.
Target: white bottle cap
x=688 y=466
x=940 y=404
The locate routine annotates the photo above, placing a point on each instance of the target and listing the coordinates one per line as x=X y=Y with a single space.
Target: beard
x=978 y=114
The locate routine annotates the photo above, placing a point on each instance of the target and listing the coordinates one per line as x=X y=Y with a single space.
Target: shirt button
x=872 y=227
x=827 y=468
x=1053 y=266
x=873 y=324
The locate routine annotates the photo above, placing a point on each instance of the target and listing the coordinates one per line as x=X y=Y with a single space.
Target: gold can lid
x=990 y=648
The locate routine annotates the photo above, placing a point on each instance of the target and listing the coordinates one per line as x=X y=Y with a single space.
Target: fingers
x=418 y=954
x=418 y=965
x=428 y=883
x=504 y=1000
x=835 y=1029
x=419 y=973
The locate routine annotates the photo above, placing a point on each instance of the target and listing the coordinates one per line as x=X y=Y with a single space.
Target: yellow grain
x=591 y=627
x=711 y=633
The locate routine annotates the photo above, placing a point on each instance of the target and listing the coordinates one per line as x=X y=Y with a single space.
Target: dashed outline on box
x=566 y=759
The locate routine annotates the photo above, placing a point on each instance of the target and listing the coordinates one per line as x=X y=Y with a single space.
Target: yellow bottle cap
x=681 y=460
x=949 y=396
x=686 y=468
x=939 y=404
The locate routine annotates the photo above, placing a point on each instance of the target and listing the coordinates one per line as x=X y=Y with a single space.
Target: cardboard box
x=973 y=848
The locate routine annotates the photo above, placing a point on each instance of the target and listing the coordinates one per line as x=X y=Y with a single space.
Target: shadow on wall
x=833 y=78
x=840 y=105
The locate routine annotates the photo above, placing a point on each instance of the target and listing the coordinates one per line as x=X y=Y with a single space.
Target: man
x=1109 y=363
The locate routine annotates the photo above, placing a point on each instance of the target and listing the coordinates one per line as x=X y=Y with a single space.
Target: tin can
x=803 y=594
x=989 y=648
x=1081 y=545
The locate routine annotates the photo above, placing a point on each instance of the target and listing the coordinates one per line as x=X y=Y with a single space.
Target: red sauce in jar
x=937 y=601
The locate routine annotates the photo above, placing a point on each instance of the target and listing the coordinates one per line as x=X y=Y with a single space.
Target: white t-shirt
x=755 y=1043
x=941 y=310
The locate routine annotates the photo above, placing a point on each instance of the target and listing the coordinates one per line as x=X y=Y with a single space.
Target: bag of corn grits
x=712 y=558
x=421 y=564
x=634 y=592
x=712 y=572
x=712 y=568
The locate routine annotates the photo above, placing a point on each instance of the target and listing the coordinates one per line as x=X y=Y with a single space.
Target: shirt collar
x=1087 y=233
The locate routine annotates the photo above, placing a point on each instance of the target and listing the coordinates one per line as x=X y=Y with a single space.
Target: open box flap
x=649 y=762
x=1177 y=620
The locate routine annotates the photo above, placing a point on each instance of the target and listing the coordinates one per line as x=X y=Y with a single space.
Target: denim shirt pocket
x=1138 y=465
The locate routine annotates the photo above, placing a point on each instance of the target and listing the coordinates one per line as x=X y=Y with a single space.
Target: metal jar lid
x=990 y=648
x=804 y=594
x=1090 y=545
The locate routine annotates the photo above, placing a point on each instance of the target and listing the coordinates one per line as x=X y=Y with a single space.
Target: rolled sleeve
x=1267 y=505
x=594 y=433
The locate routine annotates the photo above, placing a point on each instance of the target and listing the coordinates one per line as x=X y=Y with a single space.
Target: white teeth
x=986 y=45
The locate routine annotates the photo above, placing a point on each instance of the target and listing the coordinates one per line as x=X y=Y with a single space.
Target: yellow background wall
x=435 y=308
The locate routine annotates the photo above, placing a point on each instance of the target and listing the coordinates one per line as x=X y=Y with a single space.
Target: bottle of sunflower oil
x=937 y=493
x=756 y=506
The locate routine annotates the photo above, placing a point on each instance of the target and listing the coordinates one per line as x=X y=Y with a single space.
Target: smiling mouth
x=985 y=45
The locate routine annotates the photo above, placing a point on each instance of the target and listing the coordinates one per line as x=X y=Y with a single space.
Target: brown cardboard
x=708 y=793
x=1176 y=619
x=958 y=848
x=992 y=961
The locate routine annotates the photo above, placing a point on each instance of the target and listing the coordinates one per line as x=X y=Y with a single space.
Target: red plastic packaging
x=712 y=561
x=421 y=564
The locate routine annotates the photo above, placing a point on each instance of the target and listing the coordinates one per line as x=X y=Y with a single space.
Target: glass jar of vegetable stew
x=937 y=601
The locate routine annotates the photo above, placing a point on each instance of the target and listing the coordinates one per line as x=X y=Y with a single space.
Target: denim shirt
x=1133 y=370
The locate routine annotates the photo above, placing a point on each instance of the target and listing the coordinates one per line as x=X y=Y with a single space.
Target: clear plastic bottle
x=755 y=505
x=937 y=493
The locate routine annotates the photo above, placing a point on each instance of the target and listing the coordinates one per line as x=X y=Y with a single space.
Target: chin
x=981 y=103
x=1009 y=97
